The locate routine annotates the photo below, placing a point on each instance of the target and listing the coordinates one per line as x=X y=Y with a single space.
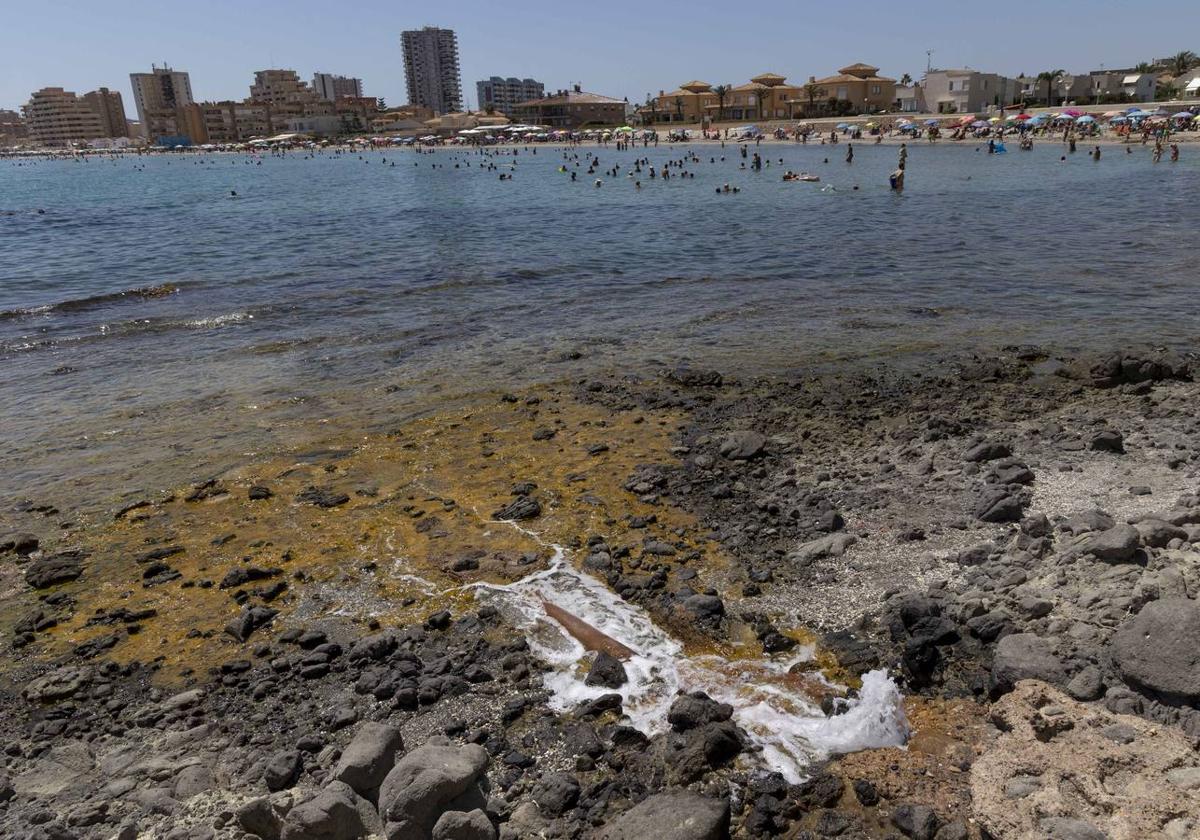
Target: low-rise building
x=1140 y=87
x=861 y=86
x=12 y=128
x=967 y=91
x=574 y=108
x=910 y=99
x=501 y=95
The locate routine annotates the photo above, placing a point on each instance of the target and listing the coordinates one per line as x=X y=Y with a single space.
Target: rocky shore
x=301 y=649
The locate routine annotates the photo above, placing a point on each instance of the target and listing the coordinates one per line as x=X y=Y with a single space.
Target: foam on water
x=770 y=704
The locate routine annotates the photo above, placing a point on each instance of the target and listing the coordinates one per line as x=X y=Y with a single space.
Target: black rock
x=249 y=620
x=523 y=507
x=322 y=497
x=259 y=493
x=1108 y=440
x=915 y=821
x=607 y=672
x=55 y=569
x=696 y=709
x=282 y=770
x=556 y=793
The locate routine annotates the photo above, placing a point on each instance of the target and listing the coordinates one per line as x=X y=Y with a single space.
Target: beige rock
x=1059 y=763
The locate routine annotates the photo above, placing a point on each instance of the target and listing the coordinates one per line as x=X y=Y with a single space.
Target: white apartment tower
x=162 y=89
x=431 y=69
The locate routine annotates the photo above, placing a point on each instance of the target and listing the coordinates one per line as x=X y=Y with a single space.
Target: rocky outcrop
x=1061 y=769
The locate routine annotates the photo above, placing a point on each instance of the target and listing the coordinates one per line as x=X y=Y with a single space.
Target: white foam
x=769 y=703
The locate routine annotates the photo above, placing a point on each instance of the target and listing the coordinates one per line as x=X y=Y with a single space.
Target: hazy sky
x=616 y=47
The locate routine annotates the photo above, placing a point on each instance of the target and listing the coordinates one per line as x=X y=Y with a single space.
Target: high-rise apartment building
x=431 y=69
x=111 y=109
x=331 y=87
x=162 y=89
x=501 y=95
x=57 y=117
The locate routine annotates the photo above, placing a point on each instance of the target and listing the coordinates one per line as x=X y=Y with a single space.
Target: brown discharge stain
x=421 y=499
x=933 y=769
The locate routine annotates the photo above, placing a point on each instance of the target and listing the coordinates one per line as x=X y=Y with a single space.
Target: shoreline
x=913 y=522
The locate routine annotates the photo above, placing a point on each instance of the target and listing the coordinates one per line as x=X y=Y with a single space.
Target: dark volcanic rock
x=369 y=757
x=55 y=569
x=1108 y=440
x=987 y=451
x=742 y=446
x=999 y=504
x=1118 y=544
x=249 y=620
x=696 y=709
x=1024 y=656
x=672 y=815
x=696 y=378
x=523 y=507
x=607 y=672
x=556 y=793
x=282 y=770
x=1158 y=650
x=322 y=497
x=915 y=821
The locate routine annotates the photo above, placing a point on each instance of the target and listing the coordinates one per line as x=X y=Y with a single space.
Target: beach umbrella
x=1072 y=112
x=843 y=125
x=967 y=120
x=932 y=122
x=979 y=124
x=1086 y=118
x=994 y=120
x=1022 y=117
x=1121 y=119
x=1185 y=115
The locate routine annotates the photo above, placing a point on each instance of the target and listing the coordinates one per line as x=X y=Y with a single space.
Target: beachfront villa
x=861 y=86
x=968 y=91
x=765 y=97
x=574 y=108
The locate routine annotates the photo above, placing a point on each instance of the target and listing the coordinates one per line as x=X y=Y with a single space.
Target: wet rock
x=369 y=757
x=865 y=793
x=259 y=493
x=672 y=815
x=246 y=574
x=1157 y=650
x=556 y=793
x=460 y=825
x=742 y=446
x=915 y=821
x=249 y=620
x=21 y=544
x=689 y=711
x=521 y=508
x=606 y=672
x=322 y=497
x=705 y=607
x=1118 y=544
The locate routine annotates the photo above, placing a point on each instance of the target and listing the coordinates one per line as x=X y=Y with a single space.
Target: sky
x=617 y=48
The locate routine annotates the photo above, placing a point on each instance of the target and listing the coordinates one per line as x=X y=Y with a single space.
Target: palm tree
x=764 y=93
x=1182 y=62
x=678 y=109
x=722 y=91
x=1167 y=92
x=1049 y=77
x=1145 y=67
x=813 y=90
x=906 y=80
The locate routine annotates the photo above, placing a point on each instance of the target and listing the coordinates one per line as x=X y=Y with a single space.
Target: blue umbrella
x=843 y=125
x=1086 y=118
x=1184 y=115
x=932 y=122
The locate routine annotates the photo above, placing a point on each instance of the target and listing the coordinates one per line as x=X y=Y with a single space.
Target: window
x=951 y=87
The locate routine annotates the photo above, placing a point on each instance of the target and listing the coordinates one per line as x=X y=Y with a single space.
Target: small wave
x=92 y=301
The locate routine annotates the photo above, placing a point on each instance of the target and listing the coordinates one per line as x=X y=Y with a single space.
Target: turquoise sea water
x=345 y=292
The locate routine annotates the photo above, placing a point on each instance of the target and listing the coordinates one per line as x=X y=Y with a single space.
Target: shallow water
x=342 y=293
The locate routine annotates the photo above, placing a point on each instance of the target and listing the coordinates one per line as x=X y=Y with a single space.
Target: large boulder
x=55 y=569
x=333 y=814
x=1158 y=650
x=369 y=757
x=462 y=825
x=672 y=815
x=432 y=779
x=1024 y=656
x=742 y=446
x=1118 y=544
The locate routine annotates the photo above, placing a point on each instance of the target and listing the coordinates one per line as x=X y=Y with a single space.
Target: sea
x=165 y=317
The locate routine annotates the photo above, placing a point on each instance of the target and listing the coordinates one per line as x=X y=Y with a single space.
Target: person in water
x=849 y=153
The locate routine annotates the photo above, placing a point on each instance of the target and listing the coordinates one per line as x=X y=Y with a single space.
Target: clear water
x=346 y=293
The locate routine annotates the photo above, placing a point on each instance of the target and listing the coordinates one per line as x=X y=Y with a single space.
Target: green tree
x=1049 y=77
x=763 y=94
x=906 y=80
x=1167 y=92
x=678 y=109
x=722 y=92
x=381 y=104
x=1145 y=67
x=813 y=91
x=1182 y=62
